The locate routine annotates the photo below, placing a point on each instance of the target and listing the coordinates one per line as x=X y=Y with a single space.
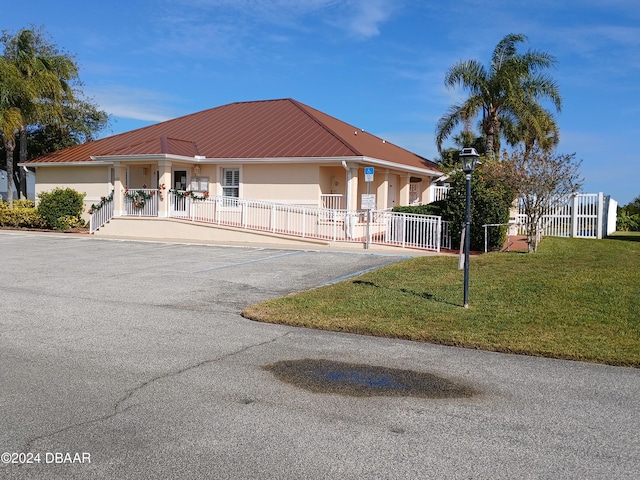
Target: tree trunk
x=23 y=157
x=488 y=142
x=9 y=147
x=533 y=237
x=491 y=131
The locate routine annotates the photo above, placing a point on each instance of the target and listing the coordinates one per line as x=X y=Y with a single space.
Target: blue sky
x=377 y=64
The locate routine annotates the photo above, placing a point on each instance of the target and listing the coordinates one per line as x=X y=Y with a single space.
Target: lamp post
x=469 y=157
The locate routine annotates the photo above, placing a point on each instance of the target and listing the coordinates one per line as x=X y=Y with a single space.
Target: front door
x=180 y=180
x=391 y=199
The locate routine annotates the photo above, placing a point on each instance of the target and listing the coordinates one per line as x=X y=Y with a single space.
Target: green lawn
x=576 y=299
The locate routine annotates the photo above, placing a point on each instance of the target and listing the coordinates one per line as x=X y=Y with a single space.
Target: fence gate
x=583 y=215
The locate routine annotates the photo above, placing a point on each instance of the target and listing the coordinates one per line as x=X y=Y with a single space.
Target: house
x=279 y=151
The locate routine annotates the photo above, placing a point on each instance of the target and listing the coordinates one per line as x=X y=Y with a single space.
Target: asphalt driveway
x=128 y=360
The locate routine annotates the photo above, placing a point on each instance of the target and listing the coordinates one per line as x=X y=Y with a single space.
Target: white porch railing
x=141 y=202
x=100 y=213
x=178 y=205
x=331 y=201
x=387 y=228
x=411 y=230
x=438 y=193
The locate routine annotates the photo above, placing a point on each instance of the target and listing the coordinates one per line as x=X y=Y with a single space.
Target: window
x=231 y=182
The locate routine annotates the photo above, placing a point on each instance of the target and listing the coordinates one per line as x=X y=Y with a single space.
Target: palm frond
x=506 y=48
x=469 y=74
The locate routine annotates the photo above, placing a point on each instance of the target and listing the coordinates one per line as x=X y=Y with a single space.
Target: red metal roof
x=261 y=129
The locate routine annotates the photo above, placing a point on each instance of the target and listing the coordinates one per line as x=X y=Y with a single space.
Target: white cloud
x=132 y=103
x=358 y=18
x=367 y=15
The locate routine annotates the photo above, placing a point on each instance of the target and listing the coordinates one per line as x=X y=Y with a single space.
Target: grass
x=574 y=299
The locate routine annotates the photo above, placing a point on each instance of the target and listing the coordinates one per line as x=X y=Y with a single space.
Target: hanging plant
x=138 y=197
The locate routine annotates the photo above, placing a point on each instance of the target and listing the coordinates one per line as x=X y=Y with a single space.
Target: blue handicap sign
x=368 y=174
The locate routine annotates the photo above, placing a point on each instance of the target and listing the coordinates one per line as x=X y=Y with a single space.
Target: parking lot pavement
x=126 y=359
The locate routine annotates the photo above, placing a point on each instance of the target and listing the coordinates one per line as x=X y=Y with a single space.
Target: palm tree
x=46 y=74
x=540 y=130
x=13 y=91
x=510 y=90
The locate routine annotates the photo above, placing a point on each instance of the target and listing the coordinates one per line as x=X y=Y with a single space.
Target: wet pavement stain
x=327 y=376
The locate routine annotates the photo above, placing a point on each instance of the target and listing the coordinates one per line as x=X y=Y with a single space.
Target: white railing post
x=574 y=216
x=273 y=218
x=243 y=214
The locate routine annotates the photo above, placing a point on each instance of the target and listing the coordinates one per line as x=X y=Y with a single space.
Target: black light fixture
x=469 y=158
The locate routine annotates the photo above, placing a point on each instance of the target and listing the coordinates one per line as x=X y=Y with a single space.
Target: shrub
x=434 y=208
x=23 y=215
x=61 y=208
x=627 y=222
x=629 y=217
x=491 y=201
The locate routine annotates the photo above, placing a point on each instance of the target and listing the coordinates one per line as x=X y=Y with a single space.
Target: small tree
x=541 y=179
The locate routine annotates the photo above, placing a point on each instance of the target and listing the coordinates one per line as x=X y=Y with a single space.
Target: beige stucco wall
x=387 y=186
x=93 y=181
x=393 y=188
x=281 y=182
x=423 y=190
x=211 y=172
x=333 y=180
x=140 y=175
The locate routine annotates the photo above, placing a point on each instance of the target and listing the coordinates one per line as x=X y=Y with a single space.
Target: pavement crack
x=157 y=378
x=118 y=407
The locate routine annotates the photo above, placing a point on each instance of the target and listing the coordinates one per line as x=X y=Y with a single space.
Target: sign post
x=370 y=201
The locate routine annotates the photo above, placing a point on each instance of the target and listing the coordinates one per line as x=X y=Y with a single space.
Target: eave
x=110 y=160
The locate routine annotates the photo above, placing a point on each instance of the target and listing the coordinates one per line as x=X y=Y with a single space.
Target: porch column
x=425 y=191
x=119 y=186
x=405 y=188
x=352 y=202
x=382 y=194
x=164 y=174
x=351 y=182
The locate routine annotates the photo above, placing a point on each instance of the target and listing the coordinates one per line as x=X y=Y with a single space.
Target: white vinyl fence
x=583 y=215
